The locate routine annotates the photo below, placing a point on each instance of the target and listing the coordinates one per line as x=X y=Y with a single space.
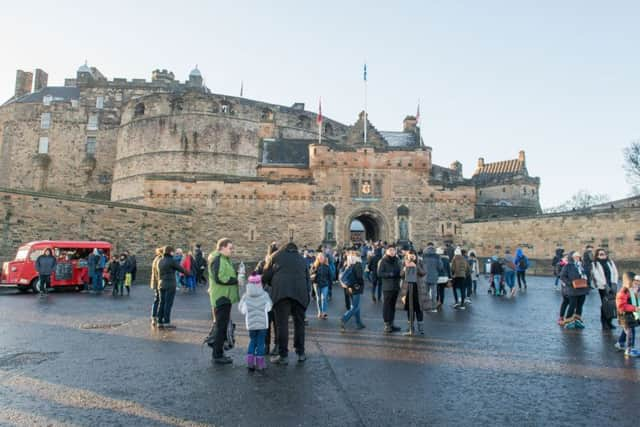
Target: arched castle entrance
x=374 y=224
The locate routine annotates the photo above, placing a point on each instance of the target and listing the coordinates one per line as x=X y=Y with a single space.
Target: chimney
x=480 y=162
x=41 y=80
x=409 y=124
x=23 y=83
x=521 y=156
x=457 y=167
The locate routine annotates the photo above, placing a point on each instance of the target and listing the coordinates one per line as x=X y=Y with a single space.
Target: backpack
x=348 y=277
x=522 y=263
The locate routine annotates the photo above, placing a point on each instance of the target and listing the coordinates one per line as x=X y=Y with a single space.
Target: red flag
x=319 y=118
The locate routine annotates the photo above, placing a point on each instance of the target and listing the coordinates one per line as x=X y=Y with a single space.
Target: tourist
x=557 y=267
x=444 y=276
x=134 y=266
x=509 y=272
x=376 y=284
x=223 y=293
x=178 y=258
x=628 y=305
x=167 y=268
x=565 y=294
x=45 y=265
x=467 y=280
x=288 y=275
x=604 y=275
x=432 y=266
x=113 y=268
x=459 y=272
x=154 y=284
x=587 y=261
x=575 y=280
x=271 y=330
x=497 y=277
x=321 y=279
x=201 y=264
x=414 y=298
x=255 y=304
x=474 y=264
x=522 y=265
x=127 y=265
x=352 y=280
x=95 y=272
x=189 y=265
x=121 y=273
x=389 y=269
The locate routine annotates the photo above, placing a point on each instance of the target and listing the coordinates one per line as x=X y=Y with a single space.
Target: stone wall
x=28 y=216
x=618 y=231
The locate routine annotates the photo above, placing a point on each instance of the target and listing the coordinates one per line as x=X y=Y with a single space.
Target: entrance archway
x=367 y=223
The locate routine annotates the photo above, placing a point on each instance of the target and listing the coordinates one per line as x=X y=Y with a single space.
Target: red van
x=70 y=271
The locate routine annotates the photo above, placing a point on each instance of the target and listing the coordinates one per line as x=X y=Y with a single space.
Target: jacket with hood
x=287 y=273
x=255 y=305
x=389 y=269
x=432 y=265
x=459 y=267
x=46 y=264
x=167 y=268
x=521 y=256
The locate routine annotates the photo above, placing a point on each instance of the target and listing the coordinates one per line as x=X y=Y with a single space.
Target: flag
x=319 y=118
x=241 y=87
x=365 y=72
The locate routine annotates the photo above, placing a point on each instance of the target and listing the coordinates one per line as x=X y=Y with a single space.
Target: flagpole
x=319 y=120
x=365 y=104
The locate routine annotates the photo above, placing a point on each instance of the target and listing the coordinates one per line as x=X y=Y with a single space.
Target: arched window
x=329 y=213
x=139 y=110
x=403 y=223
x=403 y=211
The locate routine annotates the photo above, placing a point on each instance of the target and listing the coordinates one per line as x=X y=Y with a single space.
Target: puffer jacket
x=389 y=269
x=255 y=304
x=459 y=267
x=624 y=304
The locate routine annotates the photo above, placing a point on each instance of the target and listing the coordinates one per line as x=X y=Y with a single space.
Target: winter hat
x=637 y=277
x=576 y=254
x=256 y=279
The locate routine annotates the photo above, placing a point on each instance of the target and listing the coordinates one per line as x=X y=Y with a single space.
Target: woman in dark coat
x=271 y=330
x=574 y=278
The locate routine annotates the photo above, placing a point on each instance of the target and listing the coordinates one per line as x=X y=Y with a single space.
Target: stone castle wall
x=28 y=216
x=615 y=230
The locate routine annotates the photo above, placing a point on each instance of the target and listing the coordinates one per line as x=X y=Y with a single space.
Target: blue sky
x=558 y=79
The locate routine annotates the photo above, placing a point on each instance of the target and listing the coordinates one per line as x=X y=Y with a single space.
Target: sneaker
x=433 y=310
x=280 y=360
x=395 y=328
x=467 y=301
x=456 y=305
x=570 y=325
x=302 y=358
x=631 y=352
x=560 y=321
x=619 y=347
x=460 y=307
x=222 y=360
x=579 y=324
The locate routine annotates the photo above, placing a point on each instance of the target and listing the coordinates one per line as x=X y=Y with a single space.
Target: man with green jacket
x=223 y=292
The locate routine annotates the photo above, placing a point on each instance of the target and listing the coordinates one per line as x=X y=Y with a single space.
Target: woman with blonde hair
x=321 y=280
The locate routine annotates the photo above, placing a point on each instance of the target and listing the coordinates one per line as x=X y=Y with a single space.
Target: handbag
x=579 y=283
x=443 y=279
x=630 y=320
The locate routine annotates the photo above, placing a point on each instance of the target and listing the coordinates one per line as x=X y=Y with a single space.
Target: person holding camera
x=412 y=272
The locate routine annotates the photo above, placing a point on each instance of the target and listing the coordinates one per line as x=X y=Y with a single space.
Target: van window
x=35 y=254
x=22 y=253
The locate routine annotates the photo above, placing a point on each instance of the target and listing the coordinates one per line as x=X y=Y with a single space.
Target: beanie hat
x=255 y=279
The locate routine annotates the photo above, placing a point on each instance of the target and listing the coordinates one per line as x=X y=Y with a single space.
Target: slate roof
x=400 y=139
x=294 y=152
x=58 y=93
x=499 y=171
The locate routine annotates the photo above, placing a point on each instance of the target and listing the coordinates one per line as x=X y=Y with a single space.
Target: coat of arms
x=366 y=187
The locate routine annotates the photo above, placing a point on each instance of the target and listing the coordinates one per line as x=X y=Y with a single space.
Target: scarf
x=605 y=268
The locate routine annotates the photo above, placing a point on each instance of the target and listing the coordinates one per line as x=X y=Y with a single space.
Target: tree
x=581 y=200
x=632 y=165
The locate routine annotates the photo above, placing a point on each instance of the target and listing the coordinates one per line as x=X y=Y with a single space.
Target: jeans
x=510 y=278
x=474 y=284
x=256 y=342
x=347 y=299
x=440 y=296
x=389 y=306
x=575 y=305
x=272 y=327
x=522 y=279
x=96 y=280
x=376 y=285
x=557 y=281
x=322 y=296
x=432 y=289
x=191 y=282
x=165 y=306
x=628 y=337
x=459 y=286
x=282 y=309
x=564 y=305
x=156 y=303
x=354 y=310
x=45 y=282
x=222 y=315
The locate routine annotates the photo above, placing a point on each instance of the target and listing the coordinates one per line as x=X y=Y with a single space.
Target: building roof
x=498 y=171
x=400 y=139
x=57 y=93
x=293 y=152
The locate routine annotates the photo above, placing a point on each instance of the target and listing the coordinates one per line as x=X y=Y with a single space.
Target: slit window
x=43 y=145
x=45 y=121
x=91 y=146
x=92 y=124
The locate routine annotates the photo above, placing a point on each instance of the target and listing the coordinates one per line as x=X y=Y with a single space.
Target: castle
x=247 y=169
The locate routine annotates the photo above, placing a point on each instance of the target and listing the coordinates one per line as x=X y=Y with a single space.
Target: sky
x=558 y=79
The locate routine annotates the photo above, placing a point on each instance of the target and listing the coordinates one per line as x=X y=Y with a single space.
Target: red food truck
x=71 y=270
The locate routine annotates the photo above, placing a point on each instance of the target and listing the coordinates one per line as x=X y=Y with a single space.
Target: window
x=504 y=190
x=45 y=120
x=100 y=102
x=91 y=146
x=139 y=110
x=224 y=108
x=104 y=179
x=74 y=103
x=43 y=145
x=46 y=100
x=92 y=124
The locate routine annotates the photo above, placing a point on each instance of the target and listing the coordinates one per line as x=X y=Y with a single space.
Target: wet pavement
x=81 y=359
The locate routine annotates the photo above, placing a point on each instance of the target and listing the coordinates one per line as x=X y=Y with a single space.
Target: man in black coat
x=287 y=273
x=167 y=268
x=389 y=269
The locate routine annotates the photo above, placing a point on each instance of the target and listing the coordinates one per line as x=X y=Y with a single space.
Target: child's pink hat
x=256 y=279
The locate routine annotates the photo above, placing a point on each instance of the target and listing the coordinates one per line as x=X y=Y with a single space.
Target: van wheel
x=23 y=289
x=34 y=286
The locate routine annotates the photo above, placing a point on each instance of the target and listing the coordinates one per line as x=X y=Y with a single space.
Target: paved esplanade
x=78 y=359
